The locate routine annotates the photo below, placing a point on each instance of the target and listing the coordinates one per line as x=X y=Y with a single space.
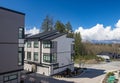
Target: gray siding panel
x=9 y=24
x=8 y=57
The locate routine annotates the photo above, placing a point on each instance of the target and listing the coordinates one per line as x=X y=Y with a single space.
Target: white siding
x=45 y=50
x=32 y=50
x=63 y=56
x=27 y=67
x=64 y=50
x=43 y=70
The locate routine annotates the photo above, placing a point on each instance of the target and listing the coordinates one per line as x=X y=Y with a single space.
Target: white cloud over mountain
x=99 y=32
x=32 y=31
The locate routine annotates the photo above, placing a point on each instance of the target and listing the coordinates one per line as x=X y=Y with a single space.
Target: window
x=10 y=77
x=36 y=44
x=56 y=66
x=72 y=47
x=28 y=55
x=20 y=59
x=35 y=56
x=72 y=57
x=6 y=78
x=54 y=57
x=21 y=33
x=46 y=57
x=20 y=56
x=47 y=44
x=28 y=44
x=50 y=58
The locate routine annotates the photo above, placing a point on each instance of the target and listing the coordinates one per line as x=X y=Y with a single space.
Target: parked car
x=107 y=60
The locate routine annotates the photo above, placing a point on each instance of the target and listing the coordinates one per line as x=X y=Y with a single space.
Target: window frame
x=56 y=66
x=46 y=57
x=9 y=77
x=34 y=56
x=29 y=44
x=50 y=57
x=4 y=78
x=47 y=44
x=21 y=33
x=53 y=57
x=21 y=56
x=29 y=55
x=36 y=42
x=72 y=56
x=16 y=76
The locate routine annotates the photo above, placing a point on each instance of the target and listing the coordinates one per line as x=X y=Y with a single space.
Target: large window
x=46 y=57
x=35 y=56
x=21 y=33
x=28 y=44
x=36 y=44
x=49 y=58
x=47 y=44
x=10 y=77
x=20 y=56
x=54 y=57
x=28 y=55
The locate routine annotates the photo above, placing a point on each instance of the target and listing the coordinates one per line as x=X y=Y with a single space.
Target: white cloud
x=117 y=24
x=99 y=32
x=32 y=31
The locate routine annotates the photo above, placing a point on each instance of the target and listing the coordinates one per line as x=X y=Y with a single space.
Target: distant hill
x=105 y=41
x=101 y=46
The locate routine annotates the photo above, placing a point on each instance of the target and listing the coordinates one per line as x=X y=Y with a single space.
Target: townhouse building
x=11 y=45
x=48 y=53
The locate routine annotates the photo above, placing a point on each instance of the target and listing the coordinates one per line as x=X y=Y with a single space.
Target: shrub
x=110 y=74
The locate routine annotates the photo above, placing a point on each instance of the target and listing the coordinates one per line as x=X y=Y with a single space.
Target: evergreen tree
x=78 y=45
x=59 y=26
x=47 y=24
x=68 y=28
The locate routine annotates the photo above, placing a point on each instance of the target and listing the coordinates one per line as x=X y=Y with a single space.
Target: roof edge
x=11 y=10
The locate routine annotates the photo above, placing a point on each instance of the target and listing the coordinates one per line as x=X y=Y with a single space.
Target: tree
x=77 y=38
x=68 y=29
x=59 y=26
x=47 y=24
x=80 y=49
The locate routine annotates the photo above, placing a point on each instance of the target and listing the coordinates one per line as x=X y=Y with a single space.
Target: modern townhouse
x=11 y=45
x=48 y=53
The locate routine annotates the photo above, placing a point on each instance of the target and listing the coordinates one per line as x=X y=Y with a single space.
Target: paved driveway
x=95 y=73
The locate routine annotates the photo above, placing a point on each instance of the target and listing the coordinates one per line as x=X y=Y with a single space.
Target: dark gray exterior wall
x=9 y=26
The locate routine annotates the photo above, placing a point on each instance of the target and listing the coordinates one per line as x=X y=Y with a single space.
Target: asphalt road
x=95 y=73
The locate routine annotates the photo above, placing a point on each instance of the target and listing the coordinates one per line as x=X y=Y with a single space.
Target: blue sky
x=81 y=13
x=86 y=13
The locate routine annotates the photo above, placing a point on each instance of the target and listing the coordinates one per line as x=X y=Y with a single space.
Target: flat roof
x=11 y=10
